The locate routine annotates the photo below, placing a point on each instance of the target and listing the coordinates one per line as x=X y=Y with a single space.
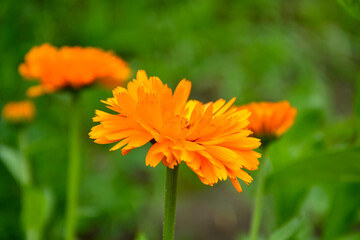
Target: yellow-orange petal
x=270 y=118
x=236 y=184
x=35 y=91
x=212 y=139
x=155 y=154
x=22 y=111
x=72 y=67
x=181 y=95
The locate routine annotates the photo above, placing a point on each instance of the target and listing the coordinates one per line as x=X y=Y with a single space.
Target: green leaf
x=37 y=204
x=351 y=6
x=287 y=203
x=288 y=230
x=342 y=166
x=16 y=164
x=342 y=215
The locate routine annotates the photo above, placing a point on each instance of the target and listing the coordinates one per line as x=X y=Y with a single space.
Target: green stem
x=257 y=212
x=74 y=167
x=170 y=203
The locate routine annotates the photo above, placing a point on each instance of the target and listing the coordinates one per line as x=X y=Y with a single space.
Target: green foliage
x=37 y=205
x=16 y=164
x=351 y=6
x=352 y=236
x=301 y=140
x=341 y=217
x=287 y=231
x=304 y=51
x=321 y=168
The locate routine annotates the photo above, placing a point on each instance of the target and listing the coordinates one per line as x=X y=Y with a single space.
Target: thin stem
x=74 y=168
x=259 y=197
x=170 y=203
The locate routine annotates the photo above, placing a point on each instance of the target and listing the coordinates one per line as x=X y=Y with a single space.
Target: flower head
x=211 y=139
x=270 y=119
x=71 y=67
x=18 y=112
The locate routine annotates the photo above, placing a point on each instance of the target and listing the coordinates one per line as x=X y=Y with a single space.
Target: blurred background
x=306 y=52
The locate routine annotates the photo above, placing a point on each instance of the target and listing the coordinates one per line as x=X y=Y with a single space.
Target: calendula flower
x=18 y=112
x=211 y=139
x=71 y=67
x=269 y=119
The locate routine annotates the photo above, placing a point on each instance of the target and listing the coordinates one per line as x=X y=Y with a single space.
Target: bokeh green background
x=305 y=51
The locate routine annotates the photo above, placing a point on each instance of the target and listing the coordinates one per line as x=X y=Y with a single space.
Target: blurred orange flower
x=17 y=112
x=212 y=140
x=71 y=67
x=270 y=119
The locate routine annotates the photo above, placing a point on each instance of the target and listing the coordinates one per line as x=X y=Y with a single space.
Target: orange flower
x=270 y=119
x=71 y=67
x=19 y=111
x=212 y=140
